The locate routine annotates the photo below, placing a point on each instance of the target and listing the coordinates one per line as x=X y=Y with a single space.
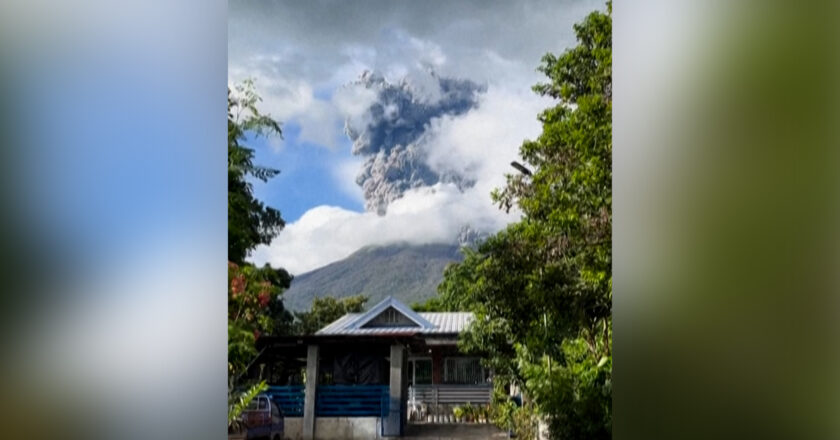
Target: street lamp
x=521 y=168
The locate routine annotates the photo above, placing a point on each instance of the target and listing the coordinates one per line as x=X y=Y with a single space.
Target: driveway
x=431 y=431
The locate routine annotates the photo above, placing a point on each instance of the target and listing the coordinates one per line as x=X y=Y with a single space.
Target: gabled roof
x=427 y=323
x=385 y=304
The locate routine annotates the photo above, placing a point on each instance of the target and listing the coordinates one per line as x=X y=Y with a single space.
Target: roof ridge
x=383 y=305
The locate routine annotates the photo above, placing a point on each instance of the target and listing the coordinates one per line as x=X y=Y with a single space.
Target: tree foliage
x=326 y=310
x=250 y=222
x=238 y=403
x=255 y=305
x=541 y=289
x=433 y=304
x=254 y=308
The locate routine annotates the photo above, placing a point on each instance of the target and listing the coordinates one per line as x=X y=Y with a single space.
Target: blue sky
x=307 y=178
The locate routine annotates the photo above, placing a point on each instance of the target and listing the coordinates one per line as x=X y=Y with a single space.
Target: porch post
x=312 y=361
x=398 y=390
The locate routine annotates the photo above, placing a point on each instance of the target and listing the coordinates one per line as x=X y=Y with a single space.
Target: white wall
x=335 y=428
x=346 y=428
x=293 y=428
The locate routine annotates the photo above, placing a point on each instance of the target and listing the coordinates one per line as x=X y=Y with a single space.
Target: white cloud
x=481 y=143
x=427 y=215
x=283 y=97
x=289 y=99
x=344 y=176
x=352 y=103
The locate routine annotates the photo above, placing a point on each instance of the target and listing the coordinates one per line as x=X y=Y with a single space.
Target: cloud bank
x=425 y=215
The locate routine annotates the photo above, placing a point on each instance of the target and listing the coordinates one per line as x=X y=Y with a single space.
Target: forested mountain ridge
x=405 y=271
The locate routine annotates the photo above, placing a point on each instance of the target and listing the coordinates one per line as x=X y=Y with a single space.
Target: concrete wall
x=293 y=428
x=335 y=428
x=347 y=428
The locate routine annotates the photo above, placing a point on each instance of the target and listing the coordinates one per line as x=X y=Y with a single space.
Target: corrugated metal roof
x=449 y=322
x=338 y=324
x=389 y=303
x=443 y=322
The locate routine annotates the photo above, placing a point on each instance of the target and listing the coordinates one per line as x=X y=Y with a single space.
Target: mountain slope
x=408 y=272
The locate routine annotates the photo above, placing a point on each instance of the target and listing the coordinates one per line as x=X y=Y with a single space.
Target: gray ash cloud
x=391 y=138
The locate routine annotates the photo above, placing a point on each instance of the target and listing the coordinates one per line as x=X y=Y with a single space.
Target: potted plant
x=469 y=413
x=458 y=412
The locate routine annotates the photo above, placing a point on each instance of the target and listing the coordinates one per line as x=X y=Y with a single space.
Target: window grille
x=463 y=370
x=420 y=371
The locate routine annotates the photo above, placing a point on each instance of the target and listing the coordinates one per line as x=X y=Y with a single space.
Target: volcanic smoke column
x=390 y=134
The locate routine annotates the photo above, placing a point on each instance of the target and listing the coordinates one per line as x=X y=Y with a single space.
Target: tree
x=433 y=304
x=541 y=289
x=254 y=309
x=250 y=222
x=255 y=305
x=326 y=310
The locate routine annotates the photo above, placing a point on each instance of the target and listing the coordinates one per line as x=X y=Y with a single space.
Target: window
x=420 y=371
x=258 y=403
x=463 y=370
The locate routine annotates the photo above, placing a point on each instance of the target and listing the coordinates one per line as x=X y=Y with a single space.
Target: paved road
x=431 y=431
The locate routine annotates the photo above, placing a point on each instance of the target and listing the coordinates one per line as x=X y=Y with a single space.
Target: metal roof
x=436 y=323
x=389 y=302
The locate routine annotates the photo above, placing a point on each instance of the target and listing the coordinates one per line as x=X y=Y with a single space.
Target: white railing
x=446 y=394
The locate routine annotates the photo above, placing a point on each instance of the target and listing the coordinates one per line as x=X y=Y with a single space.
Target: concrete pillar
x=398 y=392
x=312 y=361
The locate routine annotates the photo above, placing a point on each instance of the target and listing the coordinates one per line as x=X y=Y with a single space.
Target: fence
x=445 y=394
x=290 y=398
x=351 y=401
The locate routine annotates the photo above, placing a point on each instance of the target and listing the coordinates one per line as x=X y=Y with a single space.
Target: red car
x=263 y=419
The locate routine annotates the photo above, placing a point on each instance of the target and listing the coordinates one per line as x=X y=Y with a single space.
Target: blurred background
x=725 y=220
x=114 y=219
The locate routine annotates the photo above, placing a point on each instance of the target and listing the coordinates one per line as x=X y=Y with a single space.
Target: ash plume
x=390 y=134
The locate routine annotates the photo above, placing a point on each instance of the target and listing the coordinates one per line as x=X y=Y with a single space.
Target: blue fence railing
x=290 y=398
x=352 y=401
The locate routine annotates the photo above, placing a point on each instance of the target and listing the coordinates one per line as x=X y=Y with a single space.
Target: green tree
x=541 y=289
x=238 y=403
x=254 y=309
x=433 y=304
x=255 y=305
x=326 y=310
x=250 y=222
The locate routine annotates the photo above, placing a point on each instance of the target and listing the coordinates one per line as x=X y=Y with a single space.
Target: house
x=374 y=372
